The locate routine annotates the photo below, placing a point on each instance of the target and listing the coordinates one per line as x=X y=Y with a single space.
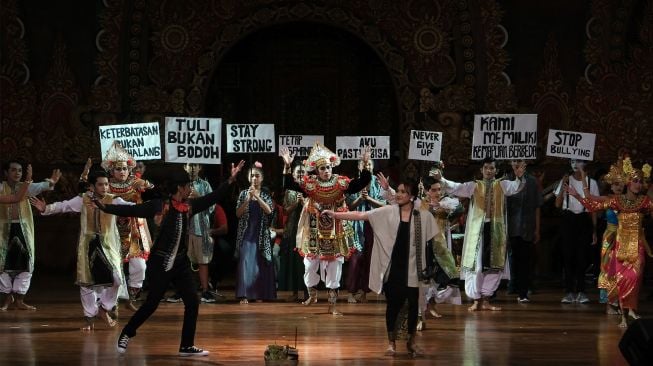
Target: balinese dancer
x=169 y=260
x=484 y=249
x=443 y=288
x=607 y=282
x=359 y=264
x=17 y=235
x=323 y=241
x=135 y=240
x=99 y=265
x=630 y=244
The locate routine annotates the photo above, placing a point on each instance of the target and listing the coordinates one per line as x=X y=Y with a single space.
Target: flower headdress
x=117 y=153
x=320 y=155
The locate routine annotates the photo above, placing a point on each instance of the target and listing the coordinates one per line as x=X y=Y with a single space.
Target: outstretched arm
x=356 y=185
x=348 y=215
x=71 y=205
x=590 y=203
x=146 y=209
x=202 y=203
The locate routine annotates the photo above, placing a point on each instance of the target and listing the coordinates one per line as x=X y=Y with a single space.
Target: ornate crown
x=616 y=173
x=631 y=173
x=320 y=155
x=117 y=153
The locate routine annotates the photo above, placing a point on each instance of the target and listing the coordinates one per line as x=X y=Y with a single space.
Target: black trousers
x=521 y=264
x=396 y=296
x=576 y=235
x=182 y=277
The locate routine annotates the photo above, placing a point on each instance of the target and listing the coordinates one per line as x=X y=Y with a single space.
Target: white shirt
x=569 y=202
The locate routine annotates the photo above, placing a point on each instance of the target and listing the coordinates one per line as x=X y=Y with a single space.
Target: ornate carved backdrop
x=446 y=60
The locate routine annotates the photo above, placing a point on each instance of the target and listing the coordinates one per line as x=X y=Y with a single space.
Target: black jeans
x=521 y=264
x=182 y=277
x=576 y=235
x=396 y=296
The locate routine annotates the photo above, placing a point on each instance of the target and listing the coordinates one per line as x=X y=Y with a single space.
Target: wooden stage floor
x=543 y=332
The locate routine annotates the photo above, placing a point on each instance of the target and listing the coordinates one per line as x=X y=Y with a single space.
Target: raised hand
x=38 y=203
x=56 y=174
x=28 y=173
x=367 y=154
x=436 y=174
x=520 y=169
x=383 y=181
x=286 y=155
x=235 y=169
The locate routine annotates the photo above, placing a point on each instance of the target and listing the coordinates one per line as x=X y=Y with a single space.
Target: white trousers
x=15 y=282
x=330 y=272
x=107 y=296
x=479 y=284
x=137 y=268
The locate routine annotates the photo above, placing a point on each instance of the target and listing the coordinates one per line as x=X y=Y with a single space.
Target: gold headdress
x=616 y=173
x=632 y=173
x=117 y=153
x=320 y=155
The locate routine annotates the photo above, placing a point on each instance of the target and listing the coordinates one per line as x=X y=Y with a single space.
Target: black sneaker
x=174 y=298
x=123 y=341
x=192 y=351
x=207 y=297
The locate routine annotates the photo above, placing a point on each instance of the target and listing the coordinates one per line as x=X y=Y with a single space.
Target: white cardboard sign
x=141 y=140
x=250 y=138
x=425 y=145
x=505 y=136
x=570 y=144
x=193 y=140
x=351 y=147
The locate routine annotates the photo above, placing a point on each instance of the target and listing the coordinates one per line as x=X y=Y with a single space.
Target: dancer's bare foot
x=129 y=305
x=610 y=310
x=104 y=316
x=351 y=299
x=624 y=322
x=434 y=312
x=391 y=350
x=244 y=301
x=89 y=325
x=474 y=306
x=9 y=299
x=486 y=306
x=20 y=305
x=421 y=325
x=632 y=314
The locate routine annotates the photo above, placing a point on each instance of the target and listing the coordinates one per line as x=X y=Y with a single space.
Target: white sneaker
x=582 y=298
x=568 y=299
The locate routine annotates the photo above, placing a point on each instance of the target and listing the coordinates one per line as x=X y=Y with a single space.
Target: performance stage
x=543 y=332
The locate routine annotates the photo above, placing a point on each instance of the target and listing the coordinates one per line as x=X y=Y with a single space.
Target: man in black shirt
x=168 y=259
